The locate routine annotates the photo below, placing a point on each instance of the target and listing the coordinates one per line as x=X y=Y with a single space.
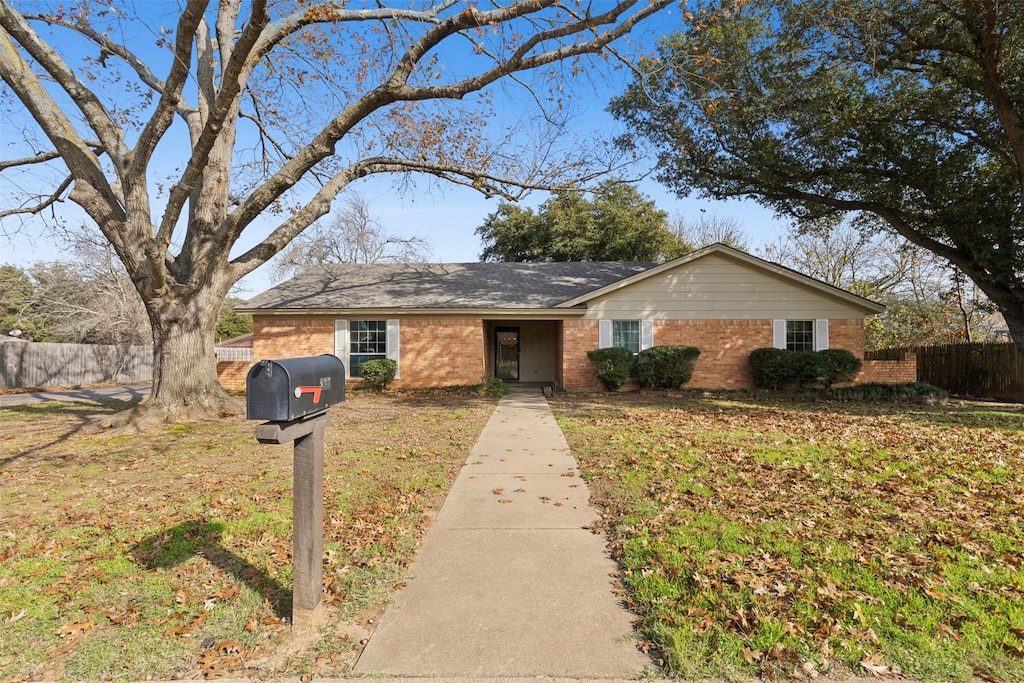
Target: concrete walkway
x=509 y=583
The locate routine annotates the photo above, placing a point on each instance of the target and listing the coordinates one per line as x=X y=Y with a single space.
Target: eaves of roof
x=510 y=313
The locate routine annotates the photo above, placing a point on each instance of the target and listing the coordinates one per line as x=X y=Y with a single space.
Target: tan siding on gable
x=716 y=287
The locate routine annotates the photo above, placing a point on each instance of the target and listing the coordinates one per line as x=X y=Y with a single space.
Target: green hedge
x=777 y=368
x=613 y=366
x=838 y=365
x=665 y=367
x=379 y=372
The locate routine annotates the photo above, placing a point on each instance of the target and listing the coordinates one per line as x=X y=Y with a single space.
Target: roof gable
x=743 y=258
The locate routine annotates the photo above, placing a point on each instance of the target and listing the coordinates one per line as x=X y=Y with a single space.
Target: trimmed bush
x=665 y=367
x=778 y=368
x=838 y=365
x=379 y=372
x=613 y=365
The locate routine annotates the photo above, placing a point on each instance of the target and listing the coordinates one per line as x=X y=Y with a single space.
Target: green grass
x=767 y=539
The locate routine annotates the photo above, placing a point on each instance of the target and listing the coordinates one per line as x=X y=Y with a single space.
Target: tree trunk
x=1015 y=324
x=185 y=382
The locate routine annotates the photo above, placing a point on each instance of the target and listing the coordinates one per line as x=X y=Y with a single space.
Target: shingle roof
x=486 y=285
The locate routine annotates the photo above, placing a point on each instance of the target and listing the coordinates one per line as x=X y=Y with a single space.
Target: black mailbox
x=292 y=388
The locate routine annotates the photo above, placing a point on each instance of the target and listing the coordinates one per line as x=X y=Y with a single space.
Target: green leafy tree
x=231 y=324
x=906 y=112
x=203 y=123
x=19 y=309
x=618 y=224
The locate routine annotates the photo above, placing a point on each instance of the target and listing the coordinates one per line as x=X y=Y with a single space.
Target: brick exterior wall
x=440 y=352
x=889 y=371
x=447 y=352
x=232 y=373
x=724 y=348
x=578 y=337
x=434 y=352
x=291 y=337
x=846 y=334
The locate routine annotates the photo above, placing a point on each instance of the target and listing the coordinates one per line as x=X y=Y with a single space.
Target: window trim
x=343 y=347
x=819 y=333
x=605 y=333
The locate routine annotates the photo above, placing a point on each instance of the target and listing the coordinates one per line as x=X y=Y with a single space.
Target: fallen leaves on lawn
x=878 y=669
x=76 y=628
x=742 y=511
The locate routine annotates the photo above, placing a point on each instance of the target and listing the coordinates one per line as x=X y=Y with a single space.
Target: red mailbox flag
x=299 y=391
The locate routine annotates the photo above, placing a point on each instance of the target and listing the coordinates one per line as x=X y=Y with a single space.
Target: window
x=800 y=335
x=626 y=334
x=635 y=335
x=368 y=340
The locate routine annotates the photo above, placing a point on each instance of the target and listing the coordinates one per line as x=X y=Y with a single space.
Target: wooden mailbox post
x=294 y=395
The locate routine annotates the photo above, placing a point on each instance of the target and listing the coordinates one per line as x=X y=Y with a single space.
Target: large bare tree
x=179 y=132
x=352 y=235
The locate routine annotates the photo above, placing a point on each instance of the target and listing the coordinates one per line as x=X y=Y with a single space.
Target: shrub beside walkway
x=509 y=582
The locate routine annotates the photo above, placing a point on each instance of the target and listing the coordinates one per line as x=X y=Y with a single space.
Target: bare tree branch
x=42 y=206
x=110 y=135
x=106 y=45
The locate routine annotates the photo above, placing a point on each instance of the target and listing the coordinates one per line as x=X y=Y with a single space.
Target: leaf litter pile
x=168 y=554
x=809 y=540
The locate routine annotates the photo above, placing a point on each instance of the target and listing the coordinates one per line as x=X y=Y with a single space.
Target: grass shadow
x=85 y=416
x=202 y=538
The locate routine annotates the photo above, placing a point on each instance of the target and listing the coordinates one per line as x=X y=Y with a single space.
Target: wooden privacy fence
x=983 y=370
x=32 y=364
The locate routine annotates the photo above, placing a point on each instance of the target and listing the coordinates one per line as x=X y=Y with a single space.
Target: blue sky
x=447 y=217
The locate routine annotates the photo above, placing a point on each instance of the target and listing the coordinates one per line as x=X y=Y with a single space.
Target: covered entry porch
x=524 y=351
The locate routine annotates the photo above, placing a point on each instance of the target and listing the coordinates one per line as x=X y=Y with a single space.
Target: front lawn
x=168 y=554
x=804 y=539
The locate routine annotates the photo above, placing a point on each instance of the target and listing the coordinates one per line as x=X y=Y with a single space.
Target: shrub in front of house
x=837 y=366
x=613 y=366
x=379 y=372
x=665 y=367
x=776 y=368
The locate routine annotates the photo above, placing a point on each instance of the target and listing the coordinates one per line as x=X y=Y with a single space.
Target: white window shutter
x=646 y=334
x=604 y=334
x=341 y=343
x=779 y=334
x=393 y=346
x=821 y=335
